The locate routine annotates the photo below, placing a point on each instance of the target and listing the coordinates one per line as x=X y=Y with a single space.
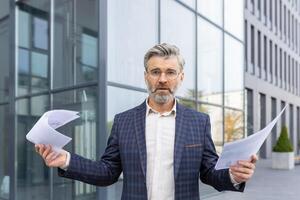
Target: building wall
x=87 y=56
x=272 y=49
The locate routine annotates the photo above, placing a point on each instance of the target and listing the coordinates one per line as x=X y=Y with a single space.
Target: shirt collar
x=151 y=110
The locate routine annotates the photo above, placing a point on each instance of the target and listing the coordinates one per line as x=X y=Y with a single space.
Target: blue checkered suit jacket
x=194 y=157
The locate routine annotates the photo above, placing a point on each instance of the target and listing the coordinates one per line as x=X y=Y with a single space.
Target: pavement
x=266 y=184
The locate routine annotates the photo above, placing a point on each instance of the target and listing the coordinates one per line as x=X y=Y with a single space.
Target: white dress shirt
x=160 y=138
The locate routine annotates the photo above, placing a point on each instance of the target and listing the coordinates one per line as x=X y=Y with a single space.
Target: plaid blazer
x=194 y=157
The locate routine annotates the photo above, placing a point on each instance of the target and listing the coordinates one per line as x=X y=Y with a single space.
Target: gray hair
x=166 y=51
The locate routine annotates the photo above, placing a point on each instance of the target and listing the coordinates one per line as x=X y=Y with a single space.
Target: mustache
x=162 y=88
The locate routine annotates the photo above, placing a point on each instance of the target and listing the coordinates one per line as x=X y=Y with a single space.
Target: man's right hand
x=52 y=158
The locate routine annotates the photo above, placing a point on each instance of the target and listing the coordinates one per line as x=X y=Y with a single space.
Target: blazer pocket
x=192 y=145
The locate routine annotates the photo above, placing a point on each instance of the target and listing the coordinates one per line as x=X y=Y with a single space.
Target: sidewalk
x=267 y=184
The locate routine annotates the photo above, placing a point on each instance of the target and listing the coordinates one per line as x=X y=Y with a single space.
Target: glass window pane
x=234 y=66
x=184 y=38
x=75 y=42
x=234 y=125
x=4 y=154
x=209 y=63
x=89 y=55
x=40 y=31
x=39 y=69
x=32 y=174
x=132 y=30
x=188 y=103
x=211 y=9
x=87 y=46
x=5 y=51
x=23 y=72
x=115 y=106
x=63 y=67
x=39 y=64
x=84 y=135
x=33 y=47
x=216 y=121
x=24 y=25
x=234 y=17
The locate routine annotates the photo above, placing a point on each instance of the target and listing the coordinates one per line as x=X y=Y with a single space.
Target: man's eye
x=171 y=72
x=155 y=72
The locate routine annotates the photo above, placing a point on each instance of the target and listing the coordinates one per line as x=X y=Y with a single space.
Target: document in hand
x=43 y=132
x=244 y=148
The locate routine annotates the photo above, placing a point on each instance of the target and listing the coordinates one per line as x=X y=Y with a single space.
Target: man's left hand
x=243 y=170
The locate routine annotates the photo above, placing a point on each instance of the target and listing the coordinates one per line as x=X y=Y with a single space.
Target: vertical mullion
x=196 y=58
x=223 y=73
x=51 y=60
x=159 y=21
x=12 y=87
x=101 y=126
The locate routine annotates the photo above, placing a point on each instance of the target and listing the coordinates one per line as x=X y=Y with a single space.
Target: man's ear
x=182 y=76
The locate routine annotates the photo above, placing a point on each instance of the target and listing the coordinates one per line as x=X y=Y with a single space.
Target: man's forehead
x=163 y=62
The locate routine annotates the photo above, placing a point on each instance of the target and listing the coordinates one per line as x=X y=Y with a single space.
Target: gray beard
x=159 y=98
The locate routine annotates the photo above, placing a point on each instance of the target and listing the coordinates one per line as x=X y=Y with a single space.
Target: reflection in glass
x=4 y=155
x=183 y=38
x=75 y=42
x=89 y=54
x=39 y=70
x=86 y=31
x=40 y=31
x=234 y=125
x=216 y=121
x=63 y=44
x=234 y=67
x=211 y=9
x=233 y=17
x=209 y=63
x=132 y=30
x=115 y=106
x=5 y=51
x=24 y=25
x=32 y=174
x=39 y=65
x=33 y=51
x=187 y=103
x=83 y=133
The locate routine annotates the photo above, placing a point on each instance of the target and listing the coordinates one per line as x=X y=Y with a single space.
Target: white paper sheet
x=244 y=148
x=43 y=132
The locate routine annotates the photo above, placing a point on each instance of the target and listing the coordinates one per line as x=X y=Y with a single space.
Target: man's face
x=163 y=77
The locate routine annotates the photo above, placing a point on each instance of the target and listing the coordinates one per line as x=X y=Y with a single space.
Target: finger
x=47 y=151
x=246 y=164
x=242 y=170
x=241 y=177
x=37 y=147
x=50 y=156
x=41 y=149
x=254 y=159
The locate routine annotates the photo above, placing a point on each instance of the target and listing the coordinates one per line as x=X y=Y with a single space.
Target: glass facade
x=5 y=175
x=87 y=56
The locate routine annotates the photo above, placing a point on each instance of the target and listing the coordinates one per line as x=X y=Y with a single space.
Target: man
x=161 y=147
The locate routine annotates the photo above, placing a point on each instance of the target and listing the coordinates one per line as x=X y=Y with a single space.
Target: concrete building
x=272 y=77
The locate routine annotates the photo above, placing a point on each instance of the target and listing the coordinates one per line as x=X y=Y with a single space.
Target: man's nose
x=162 y=78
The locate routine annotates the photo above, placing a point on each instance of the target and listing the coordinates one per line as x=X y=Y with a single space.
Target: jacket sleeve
x=219 y=179
x=104 y=172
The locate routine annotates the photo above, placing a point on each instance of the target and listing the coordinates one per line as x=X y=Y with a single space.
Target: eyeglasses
x=170 y=74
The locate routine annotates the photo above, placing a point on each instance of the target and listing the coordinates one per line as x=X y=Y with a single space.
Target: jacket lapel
x=139 y=124
x=179 y=138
